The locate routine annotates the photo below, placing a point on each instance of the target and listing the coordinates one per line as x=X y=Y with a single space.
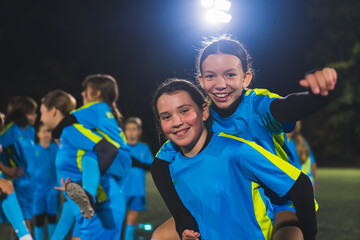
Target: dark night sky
x=46 y=45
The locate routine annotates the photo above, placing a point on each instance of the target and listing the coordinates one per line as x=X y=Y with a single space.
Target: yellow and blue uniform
x=253 y=121
x=98 y=117
x=46 y=198
x=133 y=184
x=18 y=151
x=76 y=144
x=220 y=187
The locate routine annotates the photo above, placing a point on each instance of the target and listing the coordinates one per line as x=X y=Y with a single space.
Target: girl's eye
x=184 y=111
x=209 y=76
x=165 y=117
x=231 y=75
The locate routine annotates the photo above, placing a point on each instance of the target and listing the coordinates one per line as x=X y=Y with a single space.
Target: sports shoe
x=82 y=198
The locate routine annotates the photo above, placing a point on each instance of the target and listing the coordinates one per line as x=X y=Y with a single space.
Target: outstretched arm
x=162 y=179
x=296 y=106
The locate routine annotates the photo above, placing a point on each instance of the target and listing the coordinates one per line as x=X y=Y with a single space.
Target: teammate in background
x=302 y=153
x=46 y=198
x=224 y=72
x=9 y=203
x=99 y=112
x=77 y=146
x=17 y=140
x=133 y=185
x=214 y=174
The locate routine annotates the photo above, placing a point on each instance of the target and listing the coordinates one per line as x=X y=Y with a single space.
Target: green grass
x=337 y=192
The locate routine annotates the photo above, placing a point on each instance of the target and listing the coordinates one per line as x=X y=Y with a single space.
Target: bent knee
x=6 y=186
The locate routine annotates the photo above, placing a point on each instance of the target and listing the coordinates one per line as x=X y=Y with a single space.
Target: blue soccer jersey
x=134 y=182
x=46 y=198
x=220 y=187
x=98 y=117
x=19 y=151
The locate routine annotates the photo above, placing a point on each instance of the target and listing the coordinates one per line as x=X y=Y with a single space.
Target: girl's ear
x=247 y=80
x=205 y=112
x=53 y=111
x=201 y=80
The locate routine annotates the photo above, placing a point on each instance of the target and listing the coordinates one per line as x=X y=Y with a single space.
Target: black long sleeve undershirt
x=161 y=175
x=137 y=163
x=297 y=106
x=302 y=196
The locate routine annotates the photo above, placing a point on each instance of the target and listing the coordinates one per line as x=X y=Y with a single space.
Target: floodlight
x=222 y=5
x=207 y=3
x=215 y=16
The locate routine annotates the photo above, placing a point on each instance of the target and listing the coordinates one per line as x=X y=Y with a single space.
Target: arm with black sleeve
x=161 y=175
x=137 y=163
x=297 y=106
x=302 y=196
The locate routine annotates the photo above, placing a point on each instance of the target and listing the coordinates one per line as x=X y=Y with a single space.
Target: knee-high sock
x=13 y=213
x=129 y=232
x=90 y=175
x=51 y=228
x=39 y=232
x=65 y=223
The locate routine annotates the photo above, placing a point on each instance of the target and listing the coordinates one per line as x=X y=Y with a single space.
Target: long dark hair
x=173 y=85
x=109 y=92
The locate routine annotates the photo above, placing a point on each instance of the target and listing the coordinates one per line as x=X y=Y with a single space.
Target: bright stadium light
x=222 y=5
x=216 y=10
x=207 y=3
x=216 y=16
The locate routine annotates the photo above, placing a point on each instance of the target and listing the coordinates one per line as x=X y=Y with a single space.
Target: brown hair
x=224 y=45
x=61 y=100
x=17 y=109
x=109 y=92
x=135 y=120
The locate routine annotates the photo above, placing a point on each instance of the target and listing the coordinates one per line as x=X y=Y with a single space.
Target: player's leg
x=66 y=221
x=12 y=210
x=166 y=231
x=52 y=209
x=131 y=221
x=286 y=226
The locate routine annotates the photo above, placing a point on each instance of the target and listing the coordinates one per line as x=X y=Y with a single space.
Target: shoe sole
x=78 y=195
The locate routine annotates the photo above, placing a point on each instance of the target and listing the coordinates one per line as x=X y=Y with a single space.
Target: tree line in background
x=334 y=133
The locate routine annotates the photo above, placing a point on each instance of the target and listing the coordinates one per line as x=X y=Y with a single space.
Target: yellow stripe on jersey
x=290 y=170
x=260 y=212
x=85 y=106
x=161 y=148
x=100 y=194
x=7 y=126
x=122 y=135
x=88 y=133
x=117 y=145
x=261 y=91
x=278 y=140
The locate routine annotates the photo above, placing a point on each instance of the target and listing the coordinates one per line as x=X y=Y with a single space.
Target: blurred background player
x=17 y=140
x=303 y=156
x=46 y=198
x=134 y=183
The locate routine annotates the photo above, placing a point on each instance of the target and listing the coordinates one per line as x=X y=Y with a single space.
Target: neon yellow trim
x=122 y=135
x=290 y=170
x=265 y=92
x=88 y=133
x=306 y=167
x=278 y=141
x=262 y=218
x=161 y=148
x=85 y=106
x=110 y=115
x=117 y=145
x=6 y=128
x=101 y=195
x=79 y=156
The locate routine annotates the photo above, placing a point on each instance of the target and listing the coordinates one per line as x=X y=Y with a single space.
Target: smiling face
x=182 y=121
x=44 y=135
x=223 y=79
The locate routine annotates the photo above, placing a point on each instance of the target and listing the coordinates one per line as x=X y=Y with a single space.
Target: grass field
x=337 y=192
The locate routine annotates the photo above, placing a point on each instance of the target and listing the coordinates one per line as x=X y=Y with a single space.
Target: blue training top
x=134 y=182
x=220 y=187
x=19 y=151
x=45 y=172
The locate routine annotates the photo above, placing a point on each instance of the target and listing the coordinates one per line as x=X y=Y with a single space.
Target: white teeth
x=181 y=132
x=221 y=95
